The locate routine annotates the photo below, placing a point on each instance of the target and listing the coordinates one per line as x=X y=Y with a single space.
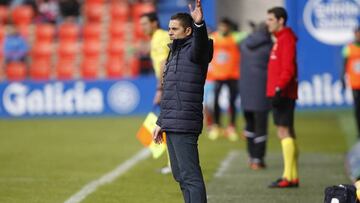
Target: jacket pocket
x=178 y=101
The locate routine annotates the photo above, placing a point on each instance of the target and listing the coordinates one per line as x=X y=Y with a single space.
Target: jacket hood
x=286 y=31
x=257 y=39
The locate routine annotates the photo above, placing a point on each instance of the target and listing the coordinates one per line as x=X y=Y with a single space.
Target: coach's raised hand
x=197 y=13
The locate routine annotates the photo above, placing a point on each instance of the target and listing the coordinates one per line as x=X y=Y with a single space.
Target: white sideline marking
x=226 y=163
x=109 y=177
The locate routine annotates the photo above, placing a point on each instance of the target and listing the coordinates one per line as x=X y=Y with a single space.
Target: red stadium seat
x=68 y=51
x=65 y=70
x=91 y=49
x=42 y=51
x=68 y=32
x=116 y=48
x=23 y=30
x=92 y=31
x=40 y=70
x=94 y=1
x=45 y=33
x=141 y=8
x=119 y=12
x=89 y=69
x=94 y=12
x=134 y=66
x=2 y=33
x=115 y=67
x=16 y=71
x=117 y=31
x=22 y=15
x=4 y=13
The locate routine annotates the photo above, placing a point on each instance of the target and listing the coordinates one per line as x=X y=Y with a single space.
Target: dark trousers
x=256 y=134
x=356 y=95
x=233 y=87
x=185 y=165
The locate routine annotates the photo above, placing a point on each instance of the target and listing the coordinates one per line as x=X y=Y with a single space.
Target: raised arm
x=200 y=49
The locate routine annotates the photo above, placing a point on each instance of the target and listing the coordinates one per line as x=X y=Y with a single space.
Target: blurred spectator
x=5 y=2
x=225 y=68
x=159 y=51
x=351 y=54
x=69 y=10
x=16 y=48
x=255 y=52
x=47 y=11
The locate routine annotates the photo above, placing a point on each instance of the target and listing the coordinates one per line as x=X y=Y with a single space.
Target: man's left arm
x=199 y=52
x=288 y=63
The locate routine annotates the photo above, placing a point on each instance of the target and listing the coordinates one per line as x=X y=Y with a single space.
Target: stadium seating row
x=67 y=50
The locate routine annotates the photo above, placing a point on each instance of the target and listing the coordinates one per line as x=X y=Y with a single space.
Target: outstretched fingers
x=198 y=3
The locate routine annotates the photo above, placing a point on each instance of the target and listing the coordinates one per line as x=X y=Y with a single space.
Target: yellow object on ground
x=144 y=135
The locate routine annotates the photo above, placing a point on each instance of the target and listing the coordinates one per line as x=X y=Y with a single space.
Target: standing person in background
x=282 y=86
x=351 y=54
x=225 y=68
x=159 y=52
x=69 y=10
x=255 y=52
x=16 y=47
x=181 y=106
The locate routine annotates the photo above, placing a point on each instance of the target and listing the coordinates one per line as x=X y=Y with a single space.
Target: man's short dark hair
x=184 y=18
x=279 y=12
x=152 y=16
x=226 y=21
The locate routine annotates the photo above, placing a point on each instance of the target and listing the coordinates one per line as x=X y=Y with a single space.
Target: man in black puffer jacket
x=181 y=103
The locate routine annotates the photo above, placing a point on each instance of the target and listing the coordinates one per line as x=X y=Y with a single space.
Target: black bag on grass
x=340 y=194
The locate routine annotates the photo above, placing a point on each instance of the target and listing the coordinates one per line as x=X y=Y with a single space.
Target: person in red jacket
x=281 y=88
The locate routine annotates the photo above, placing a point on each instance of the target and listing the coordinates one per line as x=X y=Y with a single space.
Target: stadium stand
x=102 y=44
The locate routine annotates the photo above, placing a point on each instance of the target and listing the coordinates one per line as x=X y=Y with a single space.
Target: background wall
x=242 y=11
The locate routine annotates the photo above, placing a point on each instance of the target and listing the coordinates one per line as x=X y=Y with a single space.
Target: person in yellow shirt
x=159 y=49
x=159 y=52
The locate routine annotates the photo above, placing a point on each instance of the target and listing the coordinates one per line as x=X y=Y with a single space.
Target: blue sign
x=77 y=98
x=323 y=27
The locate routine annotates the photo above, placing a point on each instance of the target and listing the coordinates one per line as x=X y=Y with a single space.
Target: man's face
x=223 y=28
x=147 y=26
x=177 y=31
x=273 y=24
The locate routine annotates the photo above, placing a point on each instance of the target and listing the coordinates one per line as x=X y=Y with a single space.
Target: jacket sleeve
x=200 y=47
x=158 y=122
x=288 y=63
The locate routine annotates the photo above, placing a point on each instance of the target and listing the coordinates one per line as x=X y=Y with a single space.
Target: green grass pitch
x=50 y=160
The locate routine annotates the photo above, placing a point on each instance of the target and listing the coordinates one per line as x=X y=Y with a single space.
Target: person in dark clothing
x=69 y=10
x=5 y=2
x=255 y=52
x=181 y=115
